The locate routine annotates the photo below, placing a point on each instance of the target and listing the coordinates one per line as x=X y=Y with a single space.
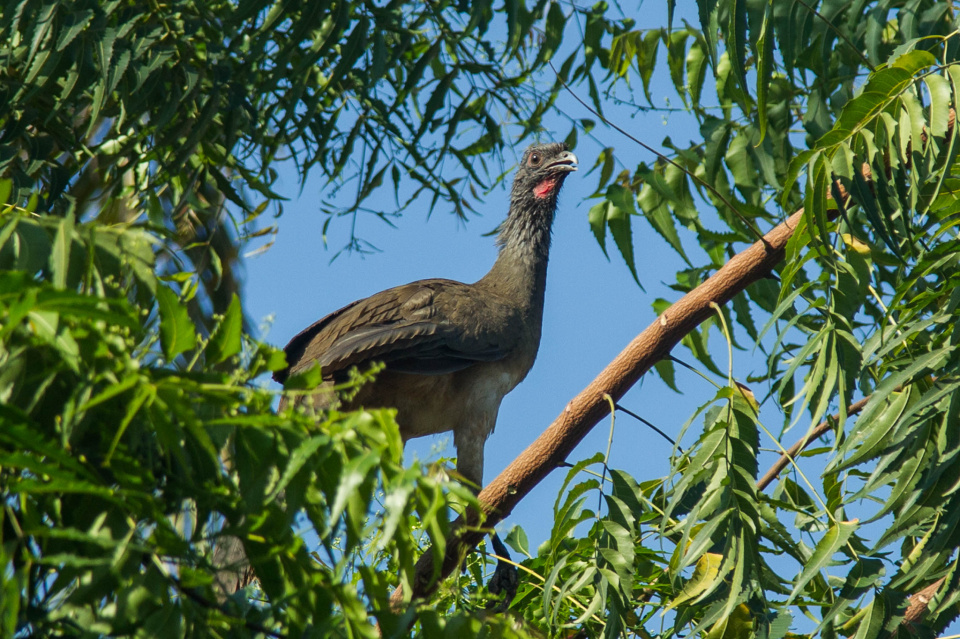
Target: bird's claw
x=504 y=580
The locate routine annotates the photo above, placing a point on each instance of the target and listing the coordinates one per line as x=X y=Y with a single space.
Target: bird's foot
x=505 y=578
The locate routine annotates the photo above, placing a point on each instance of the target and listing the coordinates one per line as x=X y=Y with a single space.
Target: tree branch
x=590 y=406
x=919 y=602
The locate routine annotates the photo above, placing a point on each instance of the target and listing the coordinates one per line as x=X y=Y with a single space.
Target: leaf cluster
x=846 y=110
x=115 y=415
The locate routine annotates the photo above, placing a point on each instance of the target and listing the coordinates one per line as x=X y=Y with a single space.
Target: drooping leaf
x=177 y=333
x=835 y=538
x=764 y=67
x=60 y=252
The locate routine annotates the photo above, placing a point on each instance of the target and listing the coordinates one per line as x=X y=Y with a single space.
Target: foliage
x=113 y=485
x=172 y=110
x=138 y=150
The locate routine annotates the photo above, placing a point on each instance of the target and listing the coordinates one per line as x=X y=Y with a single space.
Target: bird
x=450 y=351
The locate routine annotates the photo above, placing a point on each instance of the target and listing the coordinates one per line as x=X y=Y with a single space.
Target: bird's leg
x=470 y=467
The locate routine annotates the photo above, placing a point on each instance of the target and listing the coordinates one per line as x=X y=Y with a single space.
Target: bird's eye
x=535 y=159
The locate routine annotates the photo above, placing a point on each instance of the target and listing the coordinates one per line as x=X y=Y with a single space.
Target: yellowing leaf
x=859 y=247
x=739 y=625
x=705 y=578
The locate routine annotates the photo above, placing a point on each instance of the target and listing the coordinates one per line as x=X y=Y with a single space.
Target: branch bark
x=586 y=410
x=919 y=602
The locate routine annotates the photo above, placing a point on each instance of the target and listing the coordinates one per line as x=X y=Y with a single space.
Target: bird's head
x=533 y=200
x=541 y=173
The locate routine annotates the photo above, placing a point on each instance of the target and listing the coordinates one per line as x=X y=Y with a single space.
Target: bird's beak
x=565 y=162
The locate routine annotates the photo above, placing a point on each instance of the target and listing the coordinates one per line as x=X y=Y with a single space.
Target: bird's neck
x=520 y=272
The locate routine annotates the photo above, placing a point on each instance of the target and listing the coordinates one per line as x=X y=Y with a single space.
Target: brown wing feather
x=426 y=327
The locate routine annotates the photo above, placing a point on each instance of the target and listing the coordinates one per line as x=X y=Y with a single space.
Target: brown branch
x=589 y=407
x=919 y=602
x=822 y=428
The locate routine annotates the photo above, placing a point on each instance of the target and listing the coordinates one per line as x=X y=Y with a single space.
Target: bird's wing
x=428 y=327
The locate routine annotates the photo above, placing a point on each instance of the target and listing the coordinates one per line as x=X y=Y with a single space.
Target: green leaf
x=647 y=59
x=45 y=324
x=74 y=23
x=621 y=208
x=60 y=252
x=667 y=373
x=597 y=218
x=696 y=70
x=882 y=88
x=914 y=61
x=306 y=451
x=708 y=10
x=622 y=198
x=355 y=472
x=781 y=625
x=676 y=48
x=553 y=32
x=24 y=246
x=517 y=539
x=620 y=228
x=930 y=361
x=437 y=100
x=110 y=392
x=863 y=195
x=868 y=440
x=940 y=98
x=835 y=538
x=736 y=34
x=872 y=625
x=304 y=380
x=144 y=394
x=177 y=333
x=226 y=339
x=799 y=162
x=863 y=577
x=764 y=67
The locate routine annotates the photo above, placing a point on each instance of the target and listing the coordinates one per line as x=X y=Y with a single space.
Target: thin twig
x=822 y=428
x=649 y=425
x=756 y=233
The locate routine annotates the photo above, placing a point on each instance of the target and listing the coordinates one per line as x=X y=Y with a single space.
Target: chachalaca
x=451 y=350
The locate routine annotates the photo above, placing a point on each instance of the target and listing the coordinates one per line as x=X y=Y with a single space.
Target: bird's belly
x=430 y=404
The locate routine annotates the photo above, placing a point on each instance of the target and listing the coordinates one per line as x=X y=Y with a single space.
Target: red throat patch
x=545 y=188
